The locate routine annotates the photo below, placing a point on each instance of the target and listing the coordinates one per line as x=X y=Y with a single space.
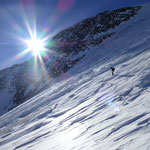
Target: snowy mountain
x=88 y=108
x=23 y=81
x=92 y=31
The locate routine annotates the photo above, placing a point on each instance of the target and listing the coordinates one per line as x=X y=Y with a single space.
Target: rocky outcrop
x=91 y=31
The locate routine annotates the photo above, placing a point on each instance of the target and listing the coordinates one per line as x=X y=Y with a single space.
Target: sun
x=36 y=45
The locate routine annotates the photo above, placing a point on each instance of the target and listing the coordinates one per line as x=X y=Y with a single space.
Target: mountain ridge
x=22 y=81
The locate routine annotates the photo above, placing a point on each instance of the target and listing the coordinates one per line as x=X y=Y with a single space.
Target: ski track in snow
x=92 y=110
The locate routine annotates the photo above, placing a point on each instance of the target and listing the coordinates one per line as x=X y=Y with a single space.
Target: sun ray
x=34 y=41
x=26 y=21
x=22 y=53
x=43 y=67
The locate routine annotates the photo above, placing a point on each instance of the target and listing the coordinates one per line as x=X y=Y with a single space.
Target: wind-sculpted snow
x=91 y=109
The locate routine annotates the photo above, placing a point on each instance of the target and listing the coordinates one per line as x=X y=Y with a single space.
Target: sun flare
x=35 y=45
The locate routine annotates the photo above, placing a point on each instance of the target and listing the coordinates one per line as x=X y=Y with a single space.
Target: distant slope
x=92 y=110
x=21 y=82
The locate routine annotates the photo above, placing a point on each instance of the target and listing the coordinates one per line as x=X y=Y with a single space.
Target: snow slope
x=90 y=109
x=21 y=82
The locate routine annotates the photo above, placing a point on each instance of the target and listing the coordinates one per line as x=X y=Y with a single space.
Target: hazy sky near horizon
x=49 y=17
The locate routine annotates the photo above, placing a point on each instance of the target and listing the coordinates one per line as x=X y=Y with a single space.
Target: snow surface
x=91 y=109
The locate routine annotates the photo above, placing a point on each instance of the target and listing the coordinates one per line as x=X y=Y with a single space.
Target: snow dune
x=91 y=109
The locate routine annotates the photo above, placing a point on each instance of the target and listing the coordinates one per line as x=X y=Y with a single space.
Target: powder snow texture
x=92 y=110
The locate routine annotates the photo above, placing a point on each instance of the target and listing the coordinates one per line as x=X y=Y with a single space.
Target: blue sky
x=51 y=17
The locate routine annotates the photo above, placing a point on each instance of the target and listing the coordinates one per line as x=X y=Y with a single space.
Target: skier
x=112 y=69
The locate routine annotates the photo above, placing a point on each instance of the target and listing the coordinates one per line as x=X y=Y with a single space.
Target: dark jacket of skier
x=112 y=69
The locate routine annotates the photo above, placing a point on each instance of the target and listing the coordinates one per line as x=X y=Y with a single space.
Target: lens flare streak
x=108 y=98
